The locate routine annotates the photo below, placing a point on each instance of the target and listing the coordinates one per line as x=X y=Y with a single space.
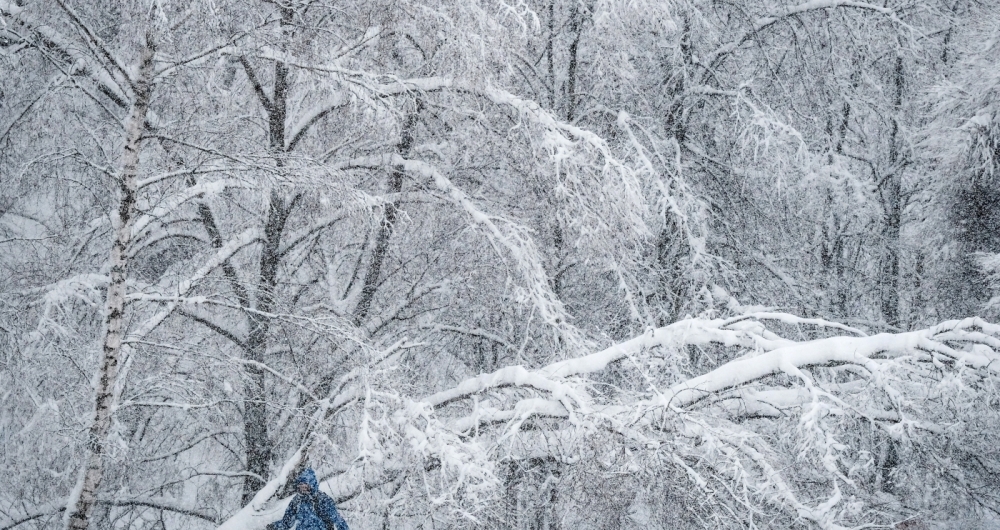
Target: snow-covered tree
x=484 y=264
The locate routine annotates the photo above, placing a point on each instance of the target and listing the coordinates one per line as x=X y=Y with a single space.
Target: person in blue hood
x=311 y=509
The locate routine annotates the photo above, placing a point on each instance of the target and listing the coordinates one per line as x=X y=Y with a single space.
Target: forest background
x=500 y=264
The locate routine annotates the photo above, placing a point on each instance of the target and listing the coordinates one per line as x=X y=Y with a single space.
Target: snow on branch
x=81 y=63
x=309 y=118
x=507 y=236
x=509 y=376
x=56 y=298
x=171 y=203
x=578 y=153
x=258 y=513
x=813 y=5
x=512 y=236
x=820 y=385
x=144 y=182
x=765 y=356
x=718 y=422
x=228 y=250
x=155 y=503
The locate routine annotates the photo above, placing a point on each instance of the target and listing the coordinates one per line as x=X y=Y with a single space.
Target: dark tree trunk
x=258 y=442
x=893 y=204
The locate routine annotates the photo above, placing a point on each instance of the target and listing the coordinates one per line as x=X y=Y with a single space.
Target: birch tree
x=123 y=223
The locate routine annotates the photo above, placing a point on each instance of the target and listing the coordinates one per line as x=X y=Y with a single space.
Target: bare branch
x=257 y=87
x=213 y=325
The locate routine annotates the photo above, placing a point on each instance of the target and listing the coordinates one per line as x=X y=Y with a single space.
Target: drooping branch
x=155 y=503
x=80 y=64
x=95 y=42
x=713 y=59
x=749 y=386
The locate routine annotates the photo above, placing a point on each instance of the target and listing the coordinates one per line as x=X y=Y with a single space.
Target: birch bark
x=81 y=505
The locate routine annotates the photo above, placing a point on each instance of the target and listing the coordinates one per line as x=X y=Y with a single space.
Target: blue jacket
x=312 y=511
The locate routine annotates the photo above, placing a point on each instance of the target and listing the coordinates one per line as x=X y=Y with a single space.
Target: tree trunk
x=549 y=51
x=569 y=95
x=258 y=442
x=892 y=199
x=81 y=507
x=832 y=251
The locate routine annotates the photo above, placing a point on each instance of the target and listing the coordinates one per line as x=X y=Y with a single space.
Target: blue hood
x=308 y=477
x=315 y=511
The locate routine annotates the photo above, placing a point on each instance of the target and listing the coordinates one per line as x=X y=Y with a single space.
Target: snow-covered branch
x=764 y=22
x=80 y=63
x=770 y=378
